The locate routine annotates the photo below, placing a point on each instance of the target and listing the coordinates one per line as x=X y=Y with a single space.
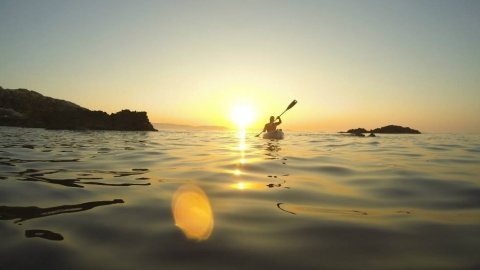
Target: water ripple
x=323 y=194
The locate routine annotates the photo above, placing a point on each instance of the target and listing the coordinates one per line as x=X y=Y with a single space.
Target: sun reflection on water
x=240 y=185
x=242 y=146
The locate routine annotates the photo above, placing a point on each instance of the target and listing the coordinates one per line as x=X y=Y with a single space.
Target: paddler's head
x=272 y=118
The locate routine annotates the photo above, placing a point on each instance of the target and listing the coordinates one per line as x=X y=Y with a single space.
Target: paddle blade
x=292 y=104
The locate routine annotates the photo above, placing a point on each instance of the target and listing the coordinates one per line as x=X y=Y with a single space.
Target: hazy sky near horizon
x=348 y=63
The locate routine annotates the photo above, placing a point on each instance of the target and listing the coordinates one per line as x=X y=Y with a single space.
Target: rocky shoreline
x=26 y=108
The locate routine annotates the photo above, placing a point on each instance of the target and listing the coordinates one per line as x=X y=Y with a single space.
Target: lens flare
x=192 y=212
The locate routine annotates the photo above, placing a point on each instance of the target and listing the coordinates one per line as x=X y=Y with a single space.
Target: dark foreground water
x=205 y=200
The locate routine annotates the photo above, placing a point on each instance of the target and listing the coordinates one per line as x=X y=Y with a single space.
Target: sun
x=242 y=115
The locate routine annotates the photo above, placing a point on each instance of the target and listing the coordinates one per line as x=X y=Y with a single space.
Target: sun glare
x=241 y=185
x=242 y=115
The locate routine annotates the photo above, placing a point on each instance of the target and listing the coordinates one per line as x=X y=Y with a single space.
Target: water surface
x=104 y=200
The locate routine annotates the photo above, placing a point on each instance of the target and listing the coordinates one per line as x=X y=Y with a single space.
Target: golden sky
x=348 y=63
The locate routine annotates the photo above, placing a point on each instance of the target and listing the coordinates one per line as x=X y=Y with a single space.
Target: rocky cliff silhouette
x=26 y=108
x=390 y=129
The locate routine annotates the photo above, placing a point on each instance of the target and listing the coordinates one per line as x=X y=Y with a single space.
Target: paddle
x=288 y=108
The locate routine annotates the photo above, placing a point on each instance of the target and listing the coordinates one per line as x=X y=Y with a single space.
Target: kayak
x=274 y=135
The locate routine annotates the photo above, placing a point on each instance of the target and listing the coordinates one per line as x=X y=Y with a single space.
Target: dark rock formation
x=25 y=108
x=390 y=129
x=357 y=130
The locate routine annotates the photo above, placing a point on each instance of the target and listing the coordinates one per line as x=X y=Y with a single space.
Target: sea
x=179 y=199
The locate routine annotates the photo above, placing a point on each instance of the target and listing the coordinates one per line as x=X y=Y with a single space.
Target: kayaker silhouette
x=272 y=126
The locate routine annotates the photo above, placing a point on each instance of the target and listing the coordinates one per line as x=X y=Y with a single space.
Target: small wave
x=436 y=148
x=474 y=150
x=328 y=169
x=455 y=160
x=341 y=144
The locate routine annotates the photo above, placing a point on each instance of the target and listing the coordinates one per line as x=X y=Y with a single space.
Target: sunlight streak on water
x=247 y=186
x=240 y=185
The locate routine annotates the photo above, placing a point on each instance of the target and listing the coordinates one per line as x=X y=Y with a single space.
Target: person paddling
x=272 y=126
